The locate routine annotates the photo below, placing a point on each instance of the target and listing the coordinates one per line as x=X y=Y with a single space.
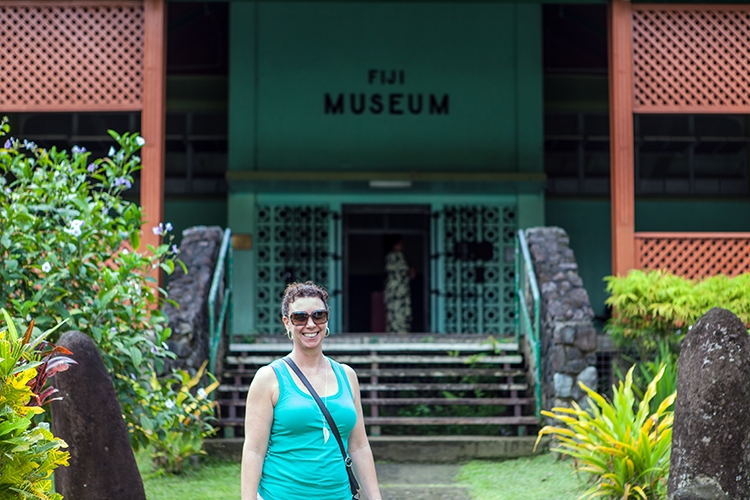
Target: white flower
x=111 y=152
x=140 y=141
x=46 y=267
x=202 y=393
x=168 y=227
x=169 y=404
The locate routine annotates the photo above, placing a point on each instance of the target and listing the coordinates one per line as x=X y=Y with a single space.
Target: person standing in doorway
x=397 y=289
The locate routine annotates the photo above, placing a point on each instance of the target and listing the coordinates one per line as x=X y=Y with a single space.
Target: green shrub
x=69 y=247
x=652 y=305
x=29 y=453
x=620 y=447
x=169 y=420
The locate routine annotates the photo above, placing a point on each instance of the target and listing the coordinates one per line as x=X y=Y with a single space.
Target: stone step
x=419 y=449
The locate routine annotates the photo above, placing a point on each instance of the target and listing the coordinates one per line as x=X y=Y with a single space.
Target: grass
x=212 y=480
x=535 y=478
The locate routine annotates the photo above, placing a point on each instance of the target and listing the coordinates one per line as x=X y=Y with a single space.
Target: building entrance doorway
x=369 y=233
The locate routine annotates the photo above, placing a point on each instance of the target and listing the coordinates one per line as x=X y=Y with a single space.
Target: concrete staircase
x=437 y=390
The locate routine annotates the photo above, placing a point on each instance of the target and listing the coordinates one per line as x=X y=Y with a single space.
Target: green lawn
x=535 y=478
x=213 y=480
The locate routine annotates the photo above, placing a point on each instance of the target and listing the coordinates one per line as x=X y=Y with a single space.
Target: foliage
x=650 y=305
x=69 y=245
x=66 y=245
x=646 y=371
x=168 y=419
x=624 y=452
x=29 y=453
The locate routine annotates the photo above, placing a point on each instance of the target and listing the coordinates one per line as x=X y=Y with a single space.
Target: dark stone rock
x=711 y=435
x=564 y=334
x=558 y=358
x=575 y=366
x=586 y=338
x=199 y=250
x=703 y=488
x=89 y=419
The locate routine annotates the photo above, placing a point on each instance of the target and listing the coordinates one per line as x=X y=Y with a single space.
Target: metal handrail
x=526 y=285
x=224 y=268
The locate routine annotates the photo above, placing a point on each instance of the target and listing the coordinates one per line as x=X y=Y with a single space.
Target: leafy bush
x=652 y=305
x=622 y=452
x=169 y=420
x=29 y=453
x=69 y=247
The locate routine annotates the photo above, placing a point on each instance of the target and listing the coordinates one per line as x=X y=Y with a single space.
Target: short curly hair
x=295 y=291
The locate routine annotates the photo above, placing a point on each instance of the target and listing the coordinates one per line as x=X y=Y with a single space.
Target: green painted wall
x=475 y=68
x=587 y=222
x=188 y=212
x=692 y=215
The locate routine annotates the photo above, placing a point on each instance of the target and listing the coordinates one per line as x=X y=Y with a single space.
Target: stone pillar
x=711 y=436
x=90 y=420
x=199 y=250
x=568 y=336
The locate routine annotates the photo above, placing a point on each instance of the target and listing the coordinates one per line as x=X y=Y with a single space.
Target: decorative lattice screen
x=694 y=255
x=479 y=293
x=57 y=56
x=691 y=60
x=292 y=244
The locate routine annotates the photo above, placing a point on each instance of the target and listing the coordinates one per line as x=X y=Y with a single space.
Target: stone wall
x=199 y=250
x=568 y=336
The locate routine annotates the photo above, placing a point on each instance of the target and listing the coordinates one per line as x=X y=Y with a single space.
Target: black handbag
x=353 y=484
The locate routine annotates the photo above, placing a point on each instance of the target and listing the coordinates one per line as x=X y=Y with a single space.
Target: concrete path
x=420 y=482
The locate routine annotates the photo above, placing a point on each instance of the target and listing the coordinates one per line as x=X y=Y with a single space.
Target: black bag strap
x=353 y=484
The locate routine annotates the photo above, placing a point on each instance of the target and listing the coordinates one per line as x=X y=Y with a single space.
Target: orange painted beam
x=153 y=117
x=693 y=236
x=622 y=174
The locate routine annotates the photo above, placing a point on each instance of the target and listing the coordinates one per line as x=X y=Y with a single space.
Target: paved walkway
x=420 y=482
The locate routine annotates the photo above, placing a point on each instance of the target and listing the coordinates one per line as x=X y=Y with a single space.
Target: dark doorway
x=368 y=230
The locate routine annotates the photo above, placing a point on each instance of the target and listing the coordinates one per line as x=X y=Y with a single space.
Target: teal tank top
x=299 y=463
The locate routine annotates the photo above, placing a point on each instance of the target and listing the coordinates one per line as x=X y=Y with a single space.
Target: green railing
x=527 y=314
x=222 y=272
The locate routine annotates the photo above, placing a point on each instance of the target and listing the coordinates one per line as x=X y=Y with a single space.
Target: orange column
x=153 y=117
x=622 y=178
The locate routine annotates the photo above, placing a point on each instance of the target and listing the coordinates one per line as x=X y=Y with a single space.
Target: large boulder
x=90 y=420
x=711 y=432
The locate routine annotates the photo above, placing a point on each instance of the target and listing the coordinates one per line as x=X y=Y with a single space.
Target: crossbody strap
x=347 y=459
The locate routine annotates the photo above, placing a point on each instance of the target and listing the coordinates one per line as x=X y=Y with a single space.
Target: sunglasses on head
x=299 y=318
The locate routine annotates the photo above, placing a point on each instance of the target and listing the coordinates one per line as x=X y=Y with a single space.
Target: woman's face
x=307 y=321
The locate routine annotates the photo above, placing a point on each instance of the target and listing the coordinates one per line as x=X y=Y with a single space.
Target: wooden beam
x=153 y=116
x=622 y=171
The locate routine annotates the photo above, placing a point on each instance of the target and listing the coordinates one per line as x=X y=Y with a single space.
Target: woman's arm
x=261 y=399
x=359 y=446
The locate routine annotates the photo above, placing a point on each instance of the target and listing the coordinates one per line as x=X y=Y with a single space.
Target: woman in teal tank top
x=289 y=451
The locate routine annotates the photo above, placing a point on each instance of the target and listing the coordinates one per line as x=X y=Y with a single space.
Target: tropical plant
x=170 y=418
x=620 y=447
x=70 y=251
x=29 y=452
x=666 y=356
x=650 y=305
